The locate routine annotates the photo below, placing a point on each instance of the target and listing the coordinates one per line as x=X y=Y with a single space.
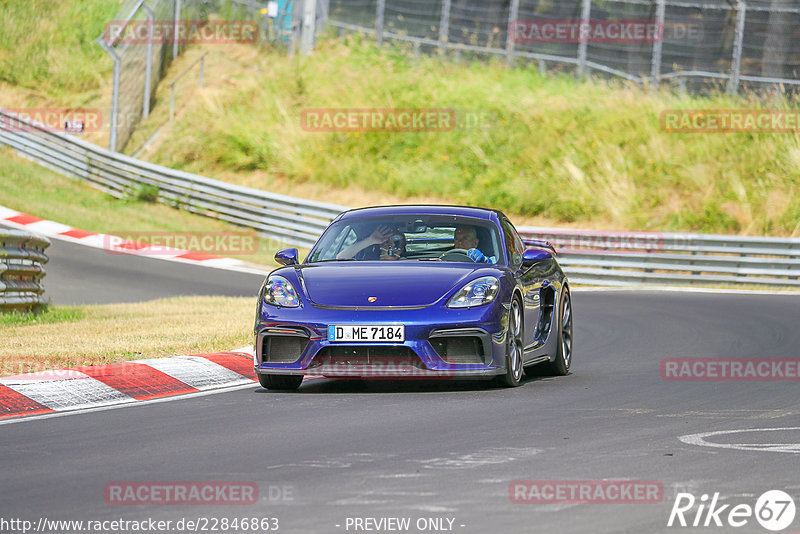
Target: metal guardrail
x=291 y=220
x=590 y=257
x=638 y=258
x=22 y=260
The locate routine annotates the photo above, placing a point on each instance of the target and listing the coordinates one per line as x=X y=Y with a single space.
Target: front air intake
x=459 y=349
x=282 y=349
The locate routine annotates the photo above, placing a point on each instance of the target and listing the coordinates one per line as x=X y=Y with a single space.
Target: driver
x=466 y=237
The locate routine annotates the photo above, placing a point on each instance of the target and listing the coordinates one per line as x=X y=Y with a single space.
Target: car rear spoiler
x=541 y=244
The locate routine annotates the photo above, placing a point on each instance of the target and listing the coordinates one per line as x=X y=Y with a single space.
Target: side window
x=514 y=244
x=347 y=238
x=335 y=244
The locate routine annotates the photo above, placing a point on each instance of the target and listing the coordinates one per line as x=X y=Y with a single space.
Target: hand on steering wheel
x=457 y=251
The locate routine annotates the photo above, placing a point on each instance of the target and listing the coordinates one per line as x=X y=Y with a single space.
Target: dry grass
x=92 y=335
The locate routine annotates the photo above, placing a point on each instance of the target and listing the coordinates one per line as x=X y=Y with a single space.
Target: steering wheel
x=459 y=255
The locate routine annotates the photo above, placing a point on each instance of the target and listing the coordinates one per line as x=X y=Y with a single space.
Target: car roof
x=424 y=209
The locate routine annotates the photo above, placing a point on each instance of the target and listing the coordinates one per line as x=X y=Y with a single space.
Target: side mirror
x=287 y=256
x=532 y=256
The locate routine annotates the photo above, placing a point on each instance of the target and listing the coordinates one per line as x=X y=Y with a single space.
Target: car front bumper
x=294 y=342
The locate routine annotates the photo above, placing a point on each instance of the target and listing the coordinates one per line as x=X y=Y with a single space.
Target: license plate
x=364 y=332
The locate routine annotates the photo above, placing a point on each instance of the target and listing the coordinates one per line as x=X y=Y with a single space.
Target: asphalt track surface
x=77 y=274
x=348 y=449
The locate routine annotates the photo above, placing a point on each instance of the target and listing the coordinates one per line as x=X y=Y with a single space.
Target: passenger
x=383 y=243
x=466 y=237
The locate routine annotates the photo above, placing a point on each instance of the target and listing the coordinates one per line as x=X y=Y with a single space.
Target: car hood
x=350 y=284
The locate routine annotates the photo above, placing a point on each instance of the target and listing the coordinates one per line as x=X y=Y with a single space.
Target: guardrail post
x=444 y=26
x=380 y=10
x=736 y=63
x=582 y=47
x=511 y=34
x=655 y=65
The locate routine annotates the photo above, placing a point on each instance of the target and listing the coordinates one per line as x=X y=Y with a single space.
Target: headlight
x=476 y=293
x=280 y=292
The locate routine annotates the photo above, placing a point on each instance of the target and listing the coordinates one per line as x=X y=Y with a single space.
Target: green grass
x=30 y=188
x=565 y=152
x=49 y=46
x=45 y=314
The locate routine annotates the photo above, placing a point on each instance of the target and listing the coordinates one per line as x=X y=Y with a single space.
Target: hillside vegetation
x=546 y=148
x=48 y=47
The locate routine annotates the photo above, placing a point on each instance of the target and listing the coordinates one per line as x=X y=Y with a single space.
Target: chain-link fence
x=139 y=63
x=724 y=43
x=727 y=44
x=145 y=35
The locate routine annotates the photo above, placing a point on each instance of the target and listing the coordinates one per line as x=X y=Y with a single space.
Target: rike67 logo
x=774 y=510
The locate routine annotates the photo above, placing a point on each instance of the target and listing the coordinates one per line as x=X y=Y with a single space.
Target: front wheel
x=280 y=382
x=513 y=374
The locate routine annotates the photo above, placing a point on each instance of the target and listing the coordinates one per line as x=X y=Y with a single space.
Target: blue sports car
x=414 y=292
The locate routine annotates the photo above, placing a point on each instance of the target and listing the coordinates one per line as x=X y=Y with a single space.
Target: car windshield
x=408 y=238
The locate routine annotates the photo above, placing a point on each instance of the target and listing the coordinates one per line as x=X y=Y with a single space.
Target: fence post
x=172 y=102
x=112 y=134
x=379 y=12
x=444 y=26
x=511 y=37
x=307 y=31
x=148 y=62
x=655 y=66
x=736 y=64
x=176 y=29
x=585 y=14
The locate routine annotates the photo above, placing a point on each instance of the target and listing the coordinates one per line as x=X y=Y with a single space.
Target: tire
x=563 y=362
x=281 y=382
x=513 y=374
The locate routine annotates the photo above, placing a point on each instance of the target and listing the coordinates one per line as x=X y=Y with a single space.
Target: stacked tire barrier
x=22 y=260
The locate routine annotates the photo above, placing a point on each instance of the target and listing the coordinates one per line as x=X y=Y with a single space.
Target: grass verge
x=69 y=336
